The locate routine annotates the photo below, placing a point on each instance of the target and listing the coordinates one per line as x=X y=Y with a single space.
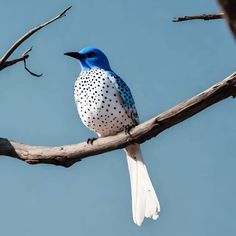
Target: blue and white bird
x=106 y=106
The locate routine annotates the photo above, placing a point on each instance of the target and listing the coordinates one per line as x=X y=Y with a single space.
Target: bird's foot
x=91 y=140
x=128 y=129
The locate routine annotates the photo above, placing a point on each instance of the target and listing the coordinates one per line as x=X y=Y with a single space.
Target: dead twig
x=4 y=62
x=205 y=17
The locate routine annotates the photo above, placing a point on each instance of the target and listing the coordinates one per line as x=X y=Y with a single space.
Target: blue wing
x=125 y=95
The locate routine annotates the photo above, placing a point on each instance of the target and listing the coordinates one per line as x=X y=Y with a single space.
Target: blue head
x=91 y=58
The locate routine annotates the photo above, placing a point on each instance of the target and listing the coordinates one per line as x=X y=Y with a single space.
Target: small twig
x=12 y=62
x=200 y=17
x=28 y=51
x=32 y=73
x=26 y=68
x=23 y=58
x=27 y=35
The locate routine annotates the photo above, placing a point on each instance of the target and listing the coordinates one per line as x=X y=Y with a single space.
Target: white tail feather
x=144 y=200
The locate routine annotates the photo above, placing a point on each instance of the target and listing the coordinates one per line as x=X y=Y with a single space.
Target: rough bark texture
x=69 y=154
x=229 y=8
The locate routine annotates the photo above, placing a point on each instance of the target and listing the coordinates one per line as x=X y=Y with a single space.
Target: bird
x=106 y=106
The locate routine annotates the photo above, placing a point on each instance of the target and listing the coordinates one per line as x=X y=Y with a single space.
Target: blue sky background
x=192 y=165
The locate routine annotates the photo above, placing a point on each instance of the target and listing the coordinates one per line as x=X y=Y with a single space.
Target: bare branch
x=3 y=60
x=12 y=62
x=69 y=154
x=23 y=57
x=28 y=70
x=229 y=8
x=200 y=17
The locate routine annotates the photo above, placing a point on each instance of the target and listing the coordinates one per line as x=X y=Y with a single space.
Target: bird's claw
x=128 y=128
x=91 y=140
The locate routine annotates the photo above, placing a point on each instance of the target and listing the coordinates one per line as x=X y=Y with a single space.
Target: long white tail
x=144 y=199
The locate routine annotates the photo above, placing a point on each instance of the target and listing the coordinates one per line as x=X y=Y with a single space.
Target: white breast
x=99 y=104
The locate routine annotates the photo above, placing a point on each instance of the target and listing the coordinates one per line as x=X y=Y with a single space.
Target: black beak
x=76 y=55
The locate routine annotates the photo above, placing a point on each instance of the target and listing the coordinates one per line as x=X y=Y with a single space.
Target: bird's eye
x=91 y=54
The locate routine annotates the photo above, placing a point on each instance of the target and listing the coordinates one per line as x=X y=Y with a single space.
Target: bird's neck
x=86 y=67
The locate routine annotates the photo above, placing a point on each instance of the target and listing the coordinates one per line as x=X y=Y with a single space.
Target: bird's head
x=91 y=58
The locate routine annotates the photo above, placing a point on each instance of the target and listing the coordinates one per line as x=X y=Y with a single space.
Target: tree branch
x=23 y=57
x=12 y=62
x=199 y=17
x=3 y=61
x=69 y=154
x=229 y=8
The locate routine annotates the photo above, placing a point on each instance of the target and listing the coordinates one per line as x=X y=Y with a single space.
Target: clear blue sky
x=192 y=165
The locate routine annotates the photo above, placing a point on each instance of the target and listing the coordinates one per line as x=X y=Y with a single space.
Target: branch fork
x=4 y=62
